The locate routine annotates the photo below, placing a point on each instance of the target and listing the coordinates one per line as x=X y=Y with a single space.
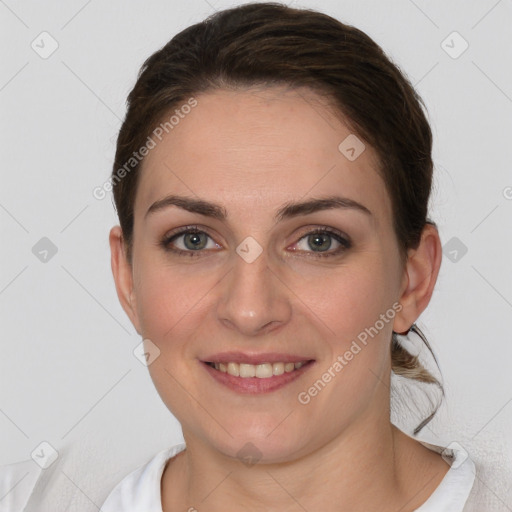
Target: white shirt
x=140 y=490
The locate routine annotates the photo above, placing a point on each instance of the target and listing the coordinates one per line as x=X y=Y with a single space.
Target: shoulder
x=451 y=495
x=140 y=490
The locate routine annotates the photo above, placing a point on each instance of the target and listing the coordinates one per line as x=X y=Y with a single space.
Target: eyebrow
x=287 y=211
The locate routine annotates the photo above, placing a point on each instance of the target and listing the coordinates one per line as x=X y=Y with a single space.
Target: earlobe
x=420 y=276
x=123 y=276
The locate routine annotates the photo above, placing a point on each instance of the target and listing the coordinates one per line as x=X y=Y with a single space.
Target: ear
x=420 y=276
x=123 y=275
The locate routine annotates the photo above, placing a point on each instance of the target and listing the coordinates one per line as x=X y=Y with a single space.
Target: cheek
x=169 y=305
x=166 y=296
x=347 y=301
x=358 y=341
x=355 y=306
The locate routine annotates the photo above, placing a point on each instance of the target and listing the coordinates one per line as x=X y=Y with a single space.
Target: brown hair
x=271 y=44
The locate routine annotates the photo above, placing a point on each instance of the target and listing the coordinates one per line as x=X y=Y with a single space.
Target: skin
x=252 y=151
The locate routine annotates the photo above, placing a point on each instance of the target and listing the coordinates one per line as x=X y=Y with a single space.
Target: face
x=264 y=280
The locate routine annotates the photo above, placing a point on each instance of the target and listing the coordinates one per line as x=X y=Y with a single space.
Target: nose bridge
x=252 y=298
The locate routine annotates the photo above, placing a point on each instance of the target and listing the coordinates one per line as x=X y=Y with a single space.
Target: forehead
x=257 y=149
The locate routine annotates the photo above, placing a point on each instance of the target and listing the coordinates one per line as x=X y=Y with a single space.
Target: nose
x=253 y=299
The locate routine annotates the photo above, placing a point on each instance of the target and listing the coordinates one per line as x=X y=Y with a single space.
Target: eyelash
x=338 y=236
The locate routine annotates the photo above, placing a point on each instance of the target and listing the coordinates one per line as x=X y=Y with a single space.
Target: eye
x=321 y=241
x=189 y=240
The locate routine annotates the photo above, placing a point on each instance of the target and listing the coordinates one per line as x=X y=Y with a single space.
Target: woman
x=272 y=178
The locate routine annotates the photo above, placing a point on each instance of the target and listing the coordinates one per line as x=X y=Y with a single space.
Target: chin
x=251 y=449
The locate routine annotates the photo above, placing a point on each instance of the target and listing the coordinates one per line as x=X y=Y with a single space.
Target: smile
x=256 y=378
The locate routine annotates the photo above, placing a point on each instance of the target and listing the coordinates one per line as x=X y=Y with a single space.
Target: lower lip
x=254 y=385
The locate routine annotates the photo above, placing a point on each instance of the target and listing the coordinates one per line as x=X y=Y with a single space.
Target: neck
x=366 y=467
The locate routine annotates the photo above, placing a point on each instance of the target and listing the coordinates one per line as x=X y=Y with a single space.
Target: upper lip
x=243 y=357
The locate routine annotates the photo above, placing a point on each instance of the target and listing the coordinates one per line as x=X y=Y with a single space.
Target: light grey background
x=68 y=375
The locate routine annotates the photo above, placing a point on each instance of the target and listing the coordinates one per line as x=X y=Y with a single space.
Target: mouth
x=256 y=378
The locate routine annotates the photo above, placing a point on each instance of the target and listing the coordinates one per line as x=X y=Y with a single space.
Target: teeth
x=247 y=370
x=233 y=369
x=261 y=371
x=277 y=368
